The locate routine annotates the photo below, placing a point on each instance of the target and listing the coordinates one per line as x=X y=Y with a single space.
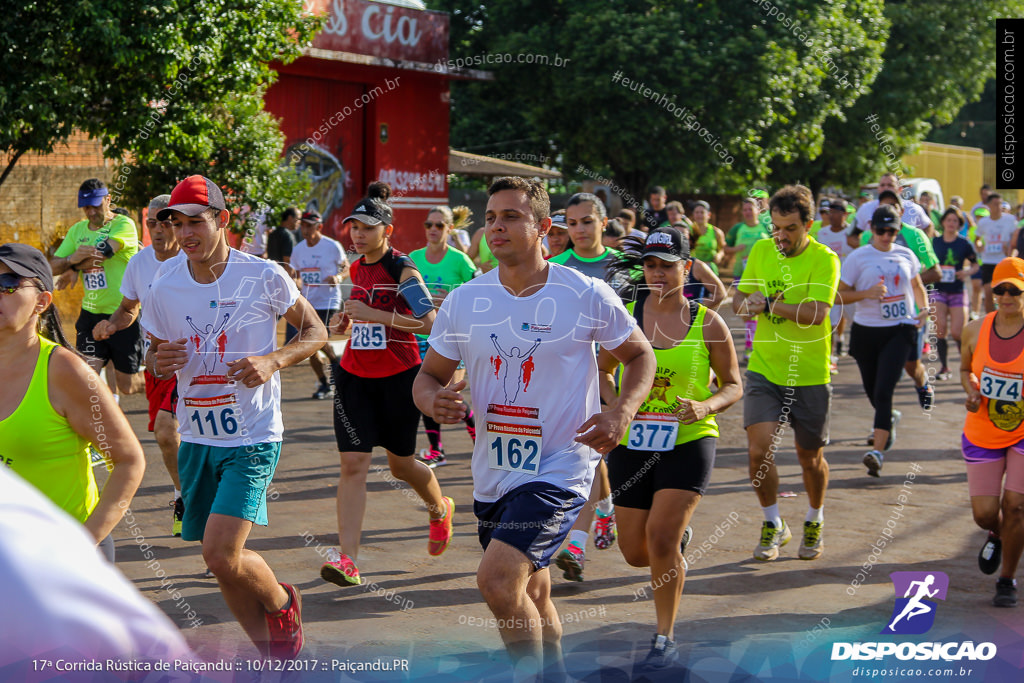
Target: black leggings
x=880 y=353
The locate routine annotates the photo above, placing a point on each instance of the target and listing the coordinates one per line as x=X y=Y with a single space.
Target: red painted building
x=369 y=101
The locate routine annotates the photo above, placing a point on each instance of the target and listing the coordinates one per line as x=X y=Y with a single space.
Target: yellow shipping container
x=960 y=170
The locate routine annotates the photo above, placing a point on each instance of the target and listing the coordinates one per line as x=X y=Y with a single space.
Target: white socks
x=771 y=514
x=177 y=494
x=605 y=507
x=579 y=539
x=815 y=515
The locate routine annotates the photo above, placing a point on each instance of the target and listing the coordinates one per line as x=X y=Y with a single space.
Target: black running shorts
x=375 y=411
x=635 y=476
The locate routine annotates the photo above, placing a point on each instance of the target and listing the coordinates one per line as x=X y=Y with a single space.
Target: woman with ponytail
x=458 y=220
x=443 y=268
x=55 y=405
x=373 y=403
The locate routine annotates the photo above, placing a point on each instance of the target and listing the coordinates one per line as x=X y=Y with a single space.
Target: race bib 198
x=368 y=337
x=1001 y=386
x=653 y=432
x=93 y=280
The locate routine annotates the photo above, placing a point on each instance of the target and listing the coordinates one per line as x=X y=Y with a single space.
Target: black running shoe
x=926 y=396
x=663 y=654
x=179 y=514
x=1006 y=593
x=991 y=554
x=896 y=416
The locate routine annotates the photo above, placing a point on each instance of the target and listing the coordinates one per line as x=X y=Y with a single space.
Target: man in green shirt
x=98 y=248
x=789 y=285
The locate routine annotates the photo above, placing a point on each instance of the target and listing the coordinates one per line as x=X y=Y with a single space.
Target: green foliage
x=237 y=144
x=787 y=98
x=974 y=125
x=938 y=56
x=171 y=86
x=743 y=80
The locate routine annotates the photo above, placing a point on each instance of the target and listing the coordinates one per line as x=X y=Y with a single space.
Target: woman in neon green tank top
x=709 y=242
x=661 y=469
x=54 y=405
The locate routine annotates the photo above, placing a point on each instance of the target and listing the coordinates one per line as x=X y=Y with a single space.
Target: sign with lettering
x=379 y=29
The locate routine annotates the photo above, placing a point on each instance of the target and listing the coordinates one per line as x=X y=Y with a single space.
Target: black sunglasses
x=1006 y=289
x=428 y=225
x=886 y=231
x=10 y=282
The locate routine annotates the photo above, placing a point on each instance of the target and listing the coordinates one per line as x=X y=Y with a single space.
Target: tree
x=938 y=58
x=688 y=94
x=974 y=125
x=167 y=84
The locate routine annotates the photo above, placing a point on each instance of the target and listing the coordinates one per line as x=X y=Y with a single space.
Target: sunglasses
x=1006 y=289
x=428 y=225
x=886 y=231
x=10 y=283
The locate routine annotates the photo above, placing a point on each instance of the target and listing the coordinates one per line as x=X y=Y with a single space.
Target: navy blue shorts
x=533 y=518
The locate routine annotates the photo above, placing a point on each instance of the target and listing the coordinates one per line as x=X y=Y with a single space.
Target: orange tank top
x=999 y=421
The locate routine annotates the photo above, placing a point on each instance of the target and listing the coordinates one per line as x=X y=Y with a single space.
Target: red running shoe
x=285 y=628
x=441 y=529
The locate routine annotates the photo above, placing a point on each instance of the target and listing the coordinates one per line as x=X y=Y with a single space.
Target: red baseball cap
x=192 y=196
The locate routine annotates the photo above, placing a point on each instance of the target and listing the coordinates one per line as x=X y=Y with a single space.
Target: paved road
x=738 y=617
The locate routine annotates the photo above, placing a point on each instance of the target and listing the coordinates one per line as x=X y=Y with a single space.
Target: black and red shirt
x=376 y=284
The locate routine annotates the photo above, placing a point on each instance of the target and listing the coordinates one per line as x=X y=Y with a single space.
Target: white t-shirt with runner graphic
x=866 y=267
x=531 y=364
x=315 y=265
x=230 y=319
x=139 y=276
x=994 y=235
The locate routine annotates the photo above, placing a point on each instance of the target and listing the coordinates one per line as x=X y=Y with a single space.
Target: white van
x=912 y=189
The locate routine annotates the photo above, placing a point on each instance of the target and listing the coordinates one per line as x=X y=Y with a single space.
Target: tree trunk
x=10 y=166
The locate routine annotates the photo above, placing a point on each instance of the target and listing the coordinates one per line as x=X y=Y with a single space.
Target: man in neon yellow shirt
x=99 y=248
x=789 y=285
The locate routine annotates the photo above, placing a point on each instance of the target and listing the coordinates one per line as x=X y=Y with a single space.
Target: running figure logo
x=913 y=613
x=513 y=368
x=209 y=343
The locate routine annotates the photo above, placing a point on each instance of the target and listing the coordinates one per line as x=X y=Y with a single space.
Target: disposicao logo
x=914 y=614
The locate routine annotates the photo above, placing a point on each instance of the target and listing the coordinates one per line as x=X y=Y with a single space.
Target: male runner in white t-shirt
x=913 y=214
x=994 y=242
x=161 y=394
x=525 y=331
x=833 y=235
x=320 y=265
x=213 y=318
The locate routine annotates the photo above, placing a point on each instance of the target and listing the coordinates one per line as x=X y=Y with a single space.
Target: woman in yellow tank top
x=662 y=468
x=992 y=375
x=53 y=405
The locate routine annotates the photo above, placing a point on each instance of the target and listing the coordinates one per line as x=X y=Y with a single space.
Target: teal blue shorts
x=221 y=480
